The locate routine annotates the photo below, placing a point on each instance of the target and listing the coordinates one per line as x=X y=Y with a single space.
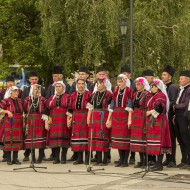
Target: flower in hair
x=141 y=81
x=104 y=78
x=156 y=82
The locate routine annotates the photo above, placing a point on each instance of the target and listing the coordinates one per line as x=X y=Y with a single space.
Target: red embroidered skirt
x=158 y=136
x=1 y=133
x=138 y=131
x=99 y=132
x=120 y=134
x=36 y=137
x=13 y=133
x=79 y=138
x=58 y=134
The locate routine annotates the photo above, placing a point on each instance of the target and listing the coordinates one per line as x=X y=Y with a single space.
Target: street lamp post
x=123 y=28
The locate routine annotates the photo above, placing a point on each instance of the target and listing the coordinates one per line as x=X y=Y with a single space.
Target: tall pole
x=131 y=36
x=123 y=50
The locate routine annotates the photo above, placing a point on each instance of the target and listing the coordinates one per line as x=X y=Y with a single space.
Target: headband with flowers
x=144 y=82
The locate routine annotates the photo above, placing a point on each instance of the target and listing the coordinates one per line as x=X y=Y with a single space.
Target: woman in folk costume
x=77 y=119
x=138 y=125
x=58 y=132
x=35 y=133
x=13 y=125
x=118 y=119
x=99 y=134
x=158 y=134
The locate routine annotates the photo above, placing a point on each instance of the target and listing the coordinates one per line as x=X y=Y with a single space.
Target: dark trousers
x=99 y=157
x=182 y=132
x=172 y=157
x=15 y=155
x=123 y=156
x=57 y=154
x=28 y=151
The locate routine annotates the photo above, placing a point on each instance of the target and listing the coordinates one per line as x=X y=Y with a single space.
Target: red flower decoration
x=156 y=82
x=33 y=83
x=141 y=81
x=104 y=78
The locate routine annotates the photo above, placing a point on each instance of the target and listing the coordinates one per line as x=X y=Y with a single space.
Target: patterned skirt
x=36 y=137
x=13 y=133
x=58 y=134
x=79 y=137
x=98 y=131
x=138 y=131
x=158 y=136
x=120 y=134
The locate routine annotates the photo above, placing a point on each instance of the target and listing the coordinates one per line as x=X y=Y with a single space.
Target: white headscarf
x=86 y=89
x=124 y=78
x=142 y=80
x=159 y=83
x=60 y=82
x=9 y=91
x=106 y=83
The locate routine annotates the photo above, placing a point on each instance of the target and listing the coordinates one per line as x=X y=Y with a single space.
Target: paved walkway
x=57 y=177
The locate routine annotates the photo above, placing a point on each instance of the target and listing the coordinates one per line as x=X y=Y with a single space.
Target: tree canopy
x=42 y=33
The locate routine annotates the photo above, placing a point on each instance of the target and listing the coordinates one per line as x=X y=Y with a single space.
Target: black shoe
x=124 y=165
x=96 y=164
x=9 y=163
x=50 y=159
x=151 y=163
x=16 y=162
x=56 y=161
x=63 y=161
x=102 y=164
x=109 y=161
x=26 y=159
x=93 y=160
x=132 y=161
x=171 y=165
x=156 y=167
x=78 y=162
x=186 y=166
x=180 y=165
x=116 y=162
x=72 y=159
x=39 y=161
x=44 y=159
x=138 y=165
x=165 y=163
x=4 y=160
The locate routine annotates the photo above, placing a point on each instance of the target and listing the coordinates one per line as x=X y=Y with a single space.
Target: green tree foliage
x=71 y=33
x=161 y=34
x=20 y=34
x=81 y=32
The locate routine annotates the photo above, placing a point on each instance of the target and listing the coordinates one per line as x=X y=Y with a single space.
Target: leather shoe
x=118 y=164
x=72 y=159
x=63 y=161
x=26 y=159
x=16 y=162
x=180 y=165
x=78 y=162
x=56 y=161
x=39 y=161
x=171 y=165
x=165 y=163
x=44 y=159
x=138 y=165
x=186 y=166
x=4 y=160
x=132 y=161
x=9 y=163
x=151 y=163
x=50 y=158
x=102 y=164
x=156 y=167
x=93 y=160
x=124 y=165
